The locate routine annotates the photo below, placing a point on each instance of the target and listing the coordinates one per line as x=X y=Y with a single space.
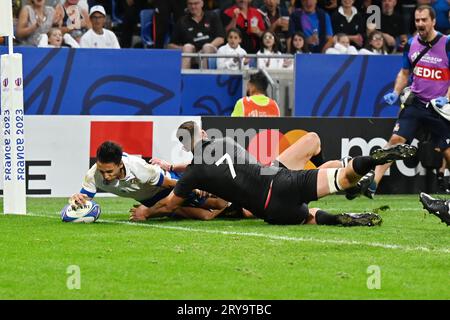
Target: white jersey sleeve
x=88 y=186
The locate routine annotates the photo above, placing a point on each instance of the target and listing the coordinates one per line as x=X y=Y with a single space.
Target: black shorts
x=291 y=192
x=414 y=117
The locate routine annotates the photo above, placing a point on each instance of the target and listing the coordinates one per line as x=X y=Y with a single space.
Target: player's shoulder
x=140 y=168
x=92 y=170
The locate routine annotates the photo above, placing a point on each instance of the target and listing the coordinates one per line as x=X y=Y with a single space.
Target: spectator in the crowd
x=392 y=26
x=315 y=23
x=55 y=39
x=130 y=18
x=35 y=19
x=247 y=19
x=75 y=17
x=233 y=47
x=197 y=31
x=348 y=20
x=165 y=12
x=297 y=46
x=98 y=36
x=375 y=44
x=276 y=18
x=269 y=46
x=298 y=43
x=341 y=45
x=256 y=103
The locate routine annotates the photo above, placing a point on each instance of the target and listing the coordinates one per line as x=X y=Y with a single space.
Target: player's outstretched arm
x=181 y=167
x=167 y=205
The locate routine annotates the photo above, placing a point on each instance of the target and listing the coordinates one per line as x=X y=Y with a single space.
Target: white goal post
x=12 y=120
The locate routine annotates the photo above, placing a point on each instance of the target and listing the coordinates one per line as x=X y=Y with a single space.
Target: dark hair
x=370 y=38
x=260 y=81
x=305 y=48
x=276 y=44
x=429 y=8
x=340 y=35
x=109 y=152
x=235 y=30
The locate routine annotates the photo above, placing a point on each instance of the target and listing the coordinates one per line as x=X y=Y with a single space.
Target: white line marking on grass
x=390 y=210
x=271 y=236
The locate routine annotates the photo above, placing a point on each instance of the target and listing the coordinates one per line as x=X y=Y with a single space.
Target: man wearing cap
x=99 y=37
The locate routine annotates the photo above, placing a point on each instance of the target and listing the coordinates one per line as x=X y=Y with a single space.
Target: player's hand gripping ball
x=87 y=213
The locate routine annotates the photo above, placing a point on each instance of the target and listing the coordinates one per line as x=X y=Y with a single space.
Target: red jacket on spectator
x=254 y=19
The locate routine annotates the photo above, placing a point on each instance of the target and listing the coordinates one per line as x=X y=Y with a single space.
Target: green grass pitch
x=225 y=259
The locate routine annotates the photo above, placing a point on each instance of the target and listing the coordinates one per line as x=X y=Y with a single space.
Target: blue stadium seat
x=146 y=17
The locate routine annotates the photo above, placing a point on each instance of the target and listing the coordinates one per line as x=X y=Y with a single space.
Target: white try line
x=270 y=236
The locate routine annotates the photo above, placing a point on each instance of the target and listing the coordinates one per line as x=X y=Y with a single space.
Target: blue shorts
x=416 y=117
x=192 y=201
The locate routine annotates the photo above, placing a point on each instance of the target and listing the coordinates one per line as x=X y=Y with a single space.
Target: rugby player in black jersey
x=275 y=193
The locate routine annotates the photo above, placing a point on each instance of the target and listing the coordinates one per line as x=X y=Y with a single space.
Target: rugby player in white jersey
x=131 y=177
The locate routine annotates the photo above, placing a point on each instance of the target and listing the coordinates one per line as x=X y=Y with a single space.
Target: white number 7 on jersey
x=227 y=157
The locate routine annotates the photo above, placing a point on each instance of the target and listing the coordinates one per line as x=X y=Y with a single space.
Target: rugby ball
x=87 y=213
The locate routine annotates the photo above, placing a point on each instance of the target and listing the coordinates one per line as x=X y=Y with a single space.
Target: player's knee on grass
x=284 y=216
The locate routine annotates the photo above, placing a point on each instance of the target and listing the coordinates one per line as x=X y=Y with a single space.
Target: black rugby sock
x=325 y=218
x=363 y=164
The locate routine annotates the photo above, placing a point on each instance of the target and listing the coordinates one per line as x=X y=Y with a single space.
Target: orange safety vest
x=251 y=109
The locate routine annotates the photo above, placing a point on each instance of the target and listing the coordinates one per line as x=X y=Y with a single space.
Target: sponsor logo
x=18 y=82
x=426 y=58
x=267 y=145
x=5 y=82
x=264 y=145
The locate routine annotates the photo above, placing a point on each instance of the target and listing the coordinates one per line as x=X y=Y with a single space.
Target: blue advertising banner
x=101 y=81
x=210 y=94
x=345 y=86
